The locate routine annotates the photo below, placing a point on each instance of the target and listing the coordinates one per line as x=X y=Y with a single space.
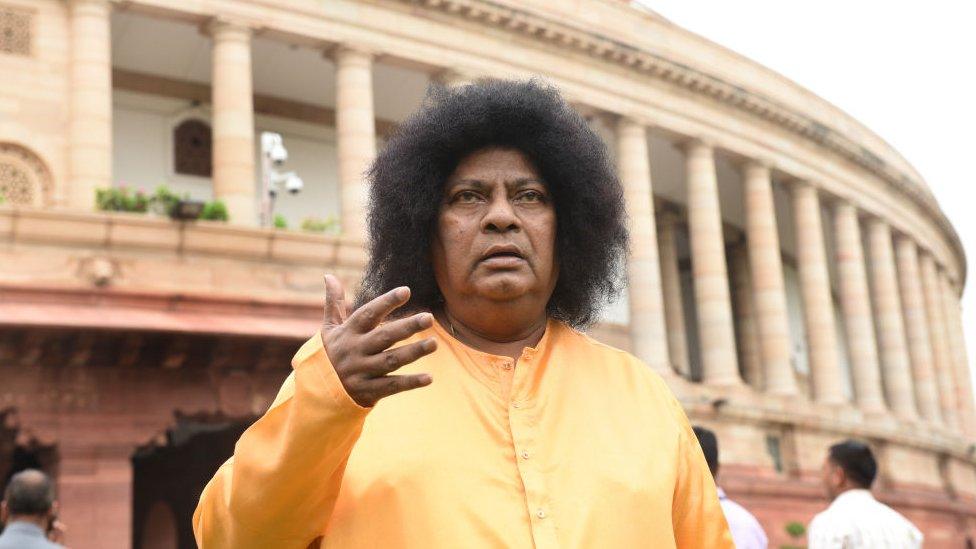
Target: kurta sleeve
x=280 y=486
x=696 y=513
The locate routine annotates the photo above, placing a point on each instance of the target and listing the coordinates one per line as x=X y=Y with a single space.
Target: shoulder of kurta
x=627 y=365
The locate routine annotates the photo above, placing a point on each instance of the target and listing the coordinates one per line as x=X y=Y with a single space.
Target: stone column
x=818 y=309
x=90 y=100
x=648 y=333
x=856 y=306
x=768 y=288
x=233 y=122
x=714 y=307
x=674 y=313
x=919 y=346
x=888 y=320
x=95 y=495
x=747 y=331
x=957 y=352
x=355 y=134
x=939 y=339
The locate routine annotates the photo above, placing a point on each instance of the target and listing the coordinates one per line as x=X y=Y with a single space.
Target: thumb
x=335 y=307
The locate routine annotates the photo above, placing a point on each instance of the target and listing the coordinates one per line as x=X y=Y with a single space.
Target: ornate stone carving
x=15 y=30
x=24 y=179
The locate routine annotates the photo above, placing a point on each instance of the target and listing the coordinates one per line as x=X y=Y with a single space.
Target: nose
x=500 y=216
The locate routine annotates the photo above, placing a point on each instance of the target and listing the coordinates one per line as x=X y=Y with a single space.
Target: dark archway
x=16 y=456
x=171 y=476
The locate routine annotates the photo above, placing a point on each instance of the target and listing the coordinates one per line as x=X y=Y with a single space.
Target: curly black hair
x=408 y=176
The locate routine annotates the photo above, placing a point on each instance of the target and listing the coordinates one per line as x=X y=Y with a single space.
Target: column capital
x=843 y=203
x=227 y=28
x=627 y=123
x=346 y=51
x=697 y=143
x=904 y=239
x=795 y=184
x=452 y=77
x=95 y=3
x=760 y=167
x=877 y=222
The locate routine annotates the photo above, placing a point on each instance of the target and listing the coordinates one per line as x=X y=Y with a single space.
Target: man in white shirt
x=855 y=519
x=746 y=531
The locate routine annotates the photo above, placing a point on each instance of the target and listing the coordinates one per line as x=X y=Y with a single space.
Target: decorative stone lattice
x=15 y=31
x=15 y=186
x=24 y=179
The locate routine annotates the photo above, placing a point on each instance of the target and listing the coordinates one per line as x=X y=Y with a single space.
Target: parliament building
x=791 y=274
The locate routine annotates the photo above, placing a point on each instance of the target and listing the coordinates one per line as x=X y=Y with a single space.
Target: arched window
x=192 y=148
x=24 y=179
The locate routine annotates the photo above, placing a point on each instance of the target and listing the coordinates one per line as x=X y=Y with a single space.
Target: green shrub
x=795 y=529
x=215 y=210
x=164 y=200
x=280 y=222
x=119 y=199
x=329 y=225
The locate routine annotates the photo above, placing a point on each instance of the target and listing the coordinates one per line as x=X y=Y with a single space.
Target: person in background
x=29 y=511
x=746 y=530
x=855 y=519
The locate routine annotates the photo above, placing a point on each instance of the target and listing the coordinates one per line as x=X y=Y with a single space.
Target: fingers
x=387 y=335
x=371 y=314
x=394 y=359
x=390 y=385
x=335 y=308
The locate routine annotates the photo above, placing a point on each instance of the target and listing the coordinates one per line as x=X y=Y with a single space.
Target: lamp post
x=274 y=155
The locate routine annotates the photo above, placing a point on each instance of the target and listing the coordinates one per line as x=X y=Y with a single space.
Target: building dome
x=791 y=275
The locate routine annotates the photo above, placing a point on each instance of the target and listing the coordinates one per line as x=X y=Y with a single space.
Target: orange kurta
x=574 y=445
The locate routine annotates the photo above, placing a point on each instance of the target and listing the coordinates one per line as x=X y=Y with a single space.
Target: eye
x=466 y=197
x=530 y=196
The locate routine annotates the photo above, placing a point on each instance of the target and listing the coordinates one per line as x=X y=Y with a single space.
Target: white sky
x=907 y=70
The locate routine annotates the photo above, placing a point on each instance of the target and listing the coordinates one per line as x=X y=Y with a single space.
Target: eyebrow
x=481 y=185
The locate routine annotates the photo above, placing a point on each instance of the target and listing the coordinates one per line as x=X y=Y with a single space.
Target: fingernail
x=427 y=319
x=430 y=345
x=402 y=292
x=425 y=378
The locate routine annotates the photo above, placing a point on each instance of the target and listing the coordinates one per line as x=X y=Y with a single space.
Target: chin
x=504 y=287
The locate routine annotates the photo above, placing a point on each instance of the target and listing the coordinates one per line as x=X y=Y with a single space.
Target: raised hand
x=359 y=346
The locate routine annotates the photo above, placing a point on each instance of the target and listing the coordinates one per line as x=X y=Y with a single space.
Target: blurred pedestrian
x=28 y=511
x=746 y=530
x=855 y=519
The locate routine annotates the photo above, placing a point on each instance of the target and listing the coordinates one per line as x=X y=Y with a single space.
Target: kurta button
x=507 y=366
x=541 y=513
x=525 y=454
x=516 y=404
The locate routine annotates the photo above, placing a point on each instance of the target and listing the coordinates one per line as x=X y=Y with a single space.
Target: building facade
x=791 y=275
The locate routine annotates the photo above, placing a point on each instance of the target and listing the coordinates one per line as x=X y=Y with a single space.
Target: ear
x=3 y=512
x=840 y=477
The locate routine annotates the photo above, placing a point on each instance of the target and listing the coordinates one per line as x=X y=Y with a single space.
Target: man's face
x=496 y=231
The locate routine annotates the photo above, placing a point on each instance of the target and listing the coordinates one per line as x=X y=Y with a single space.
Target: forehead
x=495 y=164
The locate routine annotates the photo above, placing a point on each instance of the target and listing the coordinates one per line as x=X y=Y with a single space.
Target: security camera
x=293 y=183
x=274 y=147
x=278 y=154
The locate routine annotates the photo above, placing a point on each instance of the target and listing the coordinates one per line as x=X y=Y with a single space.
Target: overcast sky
x=907 y=70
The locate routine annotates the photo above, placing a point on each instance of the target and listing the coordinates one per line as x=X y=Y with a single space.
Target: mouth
x=503 y=256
